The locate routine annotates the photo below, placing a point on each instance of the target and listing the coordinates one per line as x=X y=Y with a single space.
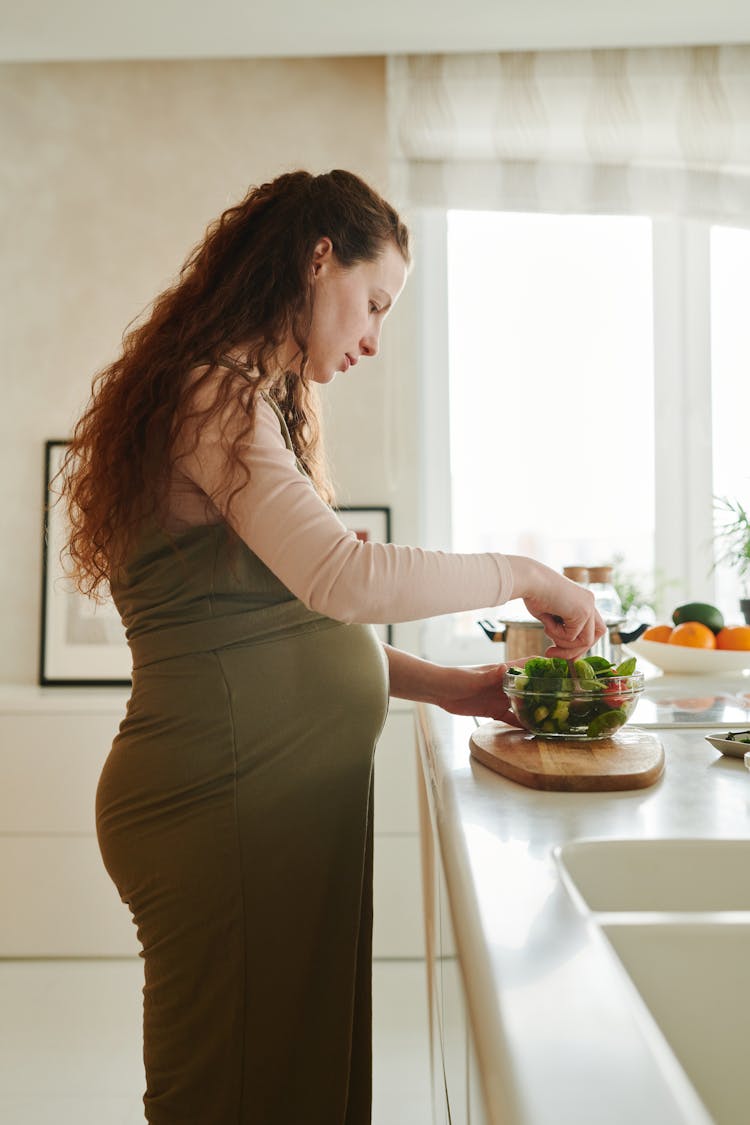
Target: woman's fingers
x=571 y=634
x=567 y=612
x=574 y=633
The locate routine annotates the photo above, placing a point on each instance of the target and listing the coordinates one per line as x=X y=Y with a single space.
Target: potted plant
x=735 y=537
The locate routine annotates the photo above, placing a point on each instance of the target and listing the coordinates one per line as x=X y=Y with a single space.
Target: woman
x=234 y=812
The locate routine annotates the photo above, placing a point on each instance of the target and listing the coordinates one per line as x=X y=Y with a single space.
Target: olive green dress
x=235 y=816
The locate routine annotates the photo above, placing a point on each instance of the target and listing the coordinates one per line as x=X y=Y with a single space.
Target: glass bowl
x=557 y=707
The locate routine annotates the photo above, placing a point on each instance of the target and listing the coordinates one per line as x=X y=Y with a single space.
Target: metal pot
x=528 y=638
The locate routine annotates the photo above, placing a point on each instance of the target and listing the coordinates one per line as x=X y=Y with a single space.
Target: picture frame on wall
x=82 y=641
x=370 y=525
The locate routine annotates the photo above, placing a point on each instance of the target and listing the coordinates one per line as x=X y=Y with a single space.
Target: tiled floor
x=70 y=1050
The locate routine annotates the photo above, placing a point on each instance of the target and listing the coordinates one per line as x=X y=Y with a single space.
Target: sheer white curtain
x=659 y=131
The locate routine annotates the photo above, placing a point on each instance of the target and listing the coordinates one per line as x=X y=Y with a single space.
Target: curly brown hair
x=247 y=284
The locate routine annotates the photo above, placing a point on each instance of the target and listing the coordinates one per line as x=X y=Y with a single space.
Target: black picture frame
x=370 y=524
x=82 y=643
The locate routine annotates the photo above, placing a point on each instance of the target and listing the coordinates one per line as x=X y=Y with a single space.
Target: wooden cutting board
x=630 y=759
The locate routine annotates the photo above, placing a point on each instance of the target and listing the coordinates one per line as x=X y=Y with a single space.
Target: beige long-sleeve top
x=281 y=517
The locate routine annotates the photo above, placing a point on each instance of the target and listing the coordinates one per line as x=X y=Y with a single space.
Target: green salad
x=587 y=698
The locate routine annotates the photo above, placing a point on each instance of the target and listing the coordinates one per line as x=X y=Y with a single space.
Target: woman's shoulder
x=206 y=383
x=220 y=399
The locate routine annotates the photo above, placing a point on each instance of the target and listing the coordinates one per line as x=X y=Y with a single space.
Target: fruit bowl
x=554 y=705
x=685 y=660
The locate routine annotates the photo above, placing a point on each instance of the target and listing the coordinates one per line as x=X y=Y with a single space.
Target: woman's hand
x=462 y=691
x=566 y=609
x=476 y=690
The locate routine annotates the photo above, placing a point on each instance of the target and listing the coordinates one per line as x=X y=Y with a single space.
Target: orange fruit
x=694 y=634
x=660 y=633
x=735 y=637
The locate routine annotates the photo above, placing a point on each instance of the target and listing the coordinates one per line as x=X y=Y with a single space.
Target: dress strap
x=282 y=421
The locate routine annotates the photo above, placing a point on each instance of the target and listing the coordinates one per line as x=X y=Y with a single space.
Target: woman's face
x=349 y=306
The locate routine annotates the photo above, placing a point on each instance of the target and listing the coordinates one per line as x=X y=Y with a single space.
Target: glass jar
x=606 y=597
x=579 y=574
x=608 y=604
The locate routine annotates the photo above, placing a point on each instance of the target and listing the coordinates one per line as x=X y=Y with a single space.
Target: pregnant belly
x=265 y=699
x=333 y=680
x=289 y=724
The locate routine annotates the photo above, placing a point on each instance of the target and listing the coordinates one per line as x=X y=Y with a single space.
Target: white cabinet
x=457 y=1097
x=58 y=899
x=60 y=902
x=397 y=927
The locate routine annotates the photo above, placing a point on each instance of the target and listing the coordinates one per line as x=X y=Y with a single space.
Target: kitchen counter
x=560 y=1033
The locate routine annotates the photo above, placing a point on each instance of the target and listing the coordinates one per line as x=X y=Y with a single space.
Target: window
x=730 y=370
x=551 y=386
x=576 y=396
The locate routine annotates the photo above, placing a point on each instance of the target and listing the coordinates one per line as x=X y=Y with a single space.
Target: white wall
x=111 y=171
x=43 y=30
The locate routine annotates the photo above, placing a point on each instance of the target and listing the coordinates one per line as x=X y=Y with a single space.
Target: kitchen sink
x=673 y=875
x=677 y=914
x=694 y=977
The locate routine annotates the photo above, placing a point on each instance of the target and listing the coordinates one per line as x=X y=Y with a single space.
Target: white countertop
x=683 y=702
x=562 y=1035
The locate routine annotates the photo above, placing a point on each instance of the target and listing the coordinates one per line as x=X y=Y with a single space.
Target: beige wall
x=111 y=172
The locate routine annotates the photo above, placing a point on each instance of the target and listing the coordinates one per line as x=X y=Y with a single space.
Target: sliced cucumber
x=561 y=711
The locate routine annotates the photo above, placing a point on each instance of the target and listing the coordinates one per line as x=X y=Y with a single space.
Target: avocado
x=698 y=611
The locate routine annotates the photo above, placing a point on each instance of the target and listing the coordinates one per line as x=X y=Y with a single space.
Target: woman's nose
x=369 y=344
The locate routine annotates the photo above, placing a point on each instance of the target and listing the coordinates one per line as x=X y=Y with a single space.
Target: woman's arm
x=462 y=691
x=282 y=519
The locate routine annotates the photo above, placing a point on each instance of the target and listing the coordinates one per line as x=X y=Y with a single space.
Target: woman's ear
x=322 y=254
